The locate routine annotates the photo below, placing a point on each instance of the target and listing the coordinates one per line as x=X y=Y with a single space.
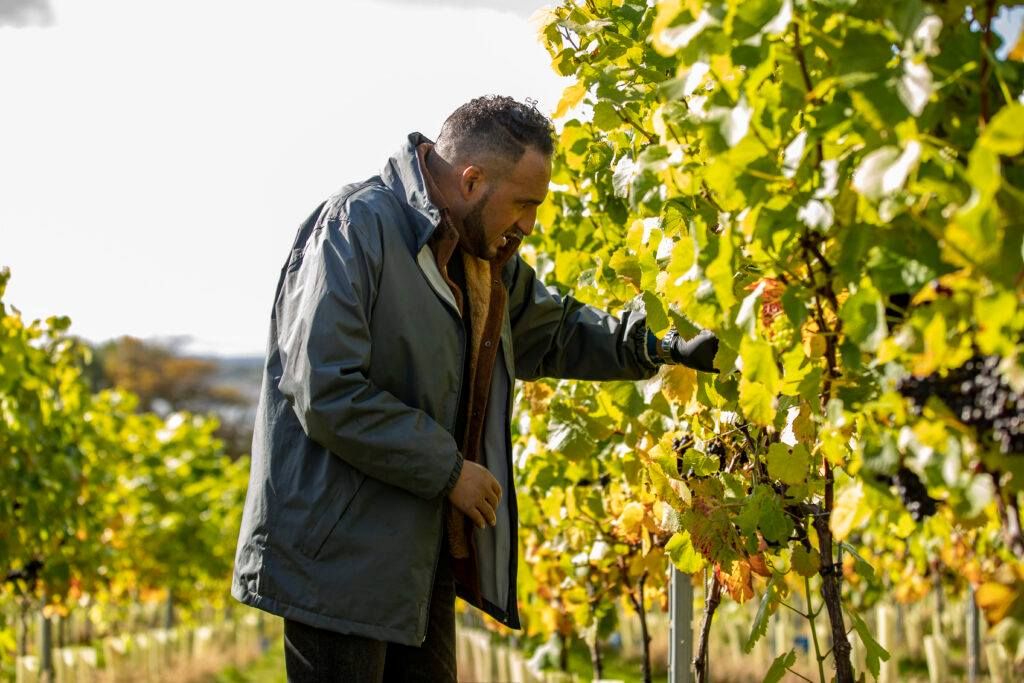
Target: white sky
x=156 y=157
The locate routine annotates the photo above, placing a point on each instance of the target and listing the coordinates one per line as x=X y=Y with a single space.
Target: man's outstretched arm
x=557 y=336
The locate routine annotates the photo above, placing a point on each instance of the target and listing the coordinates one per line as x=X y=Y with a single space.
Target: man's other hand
x=697 y=353
x=476 y=494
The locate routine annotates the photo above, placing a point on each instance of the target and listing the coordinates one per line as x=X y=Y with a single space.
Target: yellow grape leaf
x=992 y=313
x=814 y=345
x=681 y=490
x=903 y=527
x=934 y=347
x=679 y=383
x=1002 y=134
x=631 y=517
x=757 y=403
x=805 y=562
x=571 y=96
x=834 y=446
x=655 y=560
x=802 y=425
x=995 y=599
x=849 y=511
x=664 y=35
x=672 y=490
x=738 y=582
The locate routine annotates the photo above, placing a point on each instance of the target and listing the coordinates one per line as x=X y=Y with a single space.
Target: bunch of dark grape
x=679 y=445
x=714 y=448
x=914 y=494
x=977 y=395
x=717 y=449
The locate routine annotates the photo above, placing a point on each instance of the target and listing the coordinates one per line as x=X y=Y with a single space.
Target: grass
x=615 y=666
x=269 y=667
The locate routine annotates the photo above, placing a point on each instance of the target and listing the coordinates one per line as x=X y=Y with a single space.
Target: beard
x=474 y=237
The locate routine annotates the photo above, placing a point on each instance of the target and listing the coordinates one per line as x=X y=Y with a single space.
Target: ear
x=472 y=182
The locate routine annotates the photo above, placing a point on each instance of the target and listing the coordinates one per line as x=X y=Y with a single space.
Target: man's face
x=508 y=205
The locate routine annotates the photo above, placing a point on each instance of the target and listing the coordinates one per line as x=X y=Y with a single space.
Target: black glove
x=697 y=353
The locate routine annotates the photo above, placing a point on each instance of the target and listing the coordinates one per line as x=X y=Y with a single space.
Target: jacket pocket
x=311 y=543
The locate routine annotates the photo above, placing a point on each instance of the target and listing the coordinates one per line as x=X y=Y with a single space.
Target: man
x=381 y=465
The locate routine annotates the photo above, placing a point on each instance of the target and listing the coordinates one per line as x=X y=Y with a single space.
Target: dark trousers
x=314 y=655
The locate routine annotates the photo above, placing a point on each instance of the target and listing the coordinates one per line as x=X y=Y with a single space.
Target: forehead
x=531 y=174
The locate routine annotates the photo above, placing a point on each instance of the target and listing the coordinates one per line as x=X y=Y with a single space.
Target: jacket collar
x=404 y=176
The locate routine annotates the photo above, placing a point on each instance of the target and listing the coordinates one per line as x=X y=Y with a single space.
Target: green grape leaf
x=682 y=553
x=757 y=402
x=1004 y=134
x=657 y=319
x=759 y=363
x=788 y=467
x=605 y=116
x=860 y=565
x=720 y=271
x=863 y=315
x=778 y=668
x=701 y=464
x=775 y=524
x=763 y=511
x=875 y=653
x=760 y=624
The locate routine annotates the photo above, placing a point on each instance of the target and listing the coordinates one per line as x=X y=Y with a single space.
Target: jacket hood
x=404 y=176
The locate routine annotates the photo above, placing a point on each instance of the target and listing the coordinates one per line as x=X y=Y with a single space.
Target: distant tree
x=165 y=380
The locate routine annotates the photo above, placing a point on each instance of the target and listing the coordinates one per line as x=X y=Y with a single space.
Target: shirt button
x=487 y=343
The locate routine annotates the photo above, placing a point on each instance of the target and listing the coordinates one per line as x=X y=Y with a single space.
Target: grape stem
x=798 y=51
x=811 y=614
x=568 y=38
x=651 y=139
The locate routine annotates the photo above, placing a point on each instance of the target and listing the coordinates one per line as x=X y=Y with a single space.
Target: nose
x=526 y=222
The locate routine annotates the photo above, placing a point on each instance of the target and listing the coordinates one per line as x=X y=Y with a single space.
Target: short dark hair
x=494 y=126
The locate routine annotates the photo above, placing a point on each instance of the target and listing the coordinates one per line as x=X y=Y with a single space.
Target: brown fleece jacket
x=486 y=309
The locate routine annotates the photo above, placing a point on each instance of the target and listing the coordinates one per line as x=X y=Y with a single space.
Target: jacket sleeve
x=323 y=314
x=557 y=336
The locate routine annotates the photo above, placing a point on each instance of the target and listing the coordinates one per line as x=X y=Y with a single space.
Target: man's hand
x=697 y=353
x=476 y=494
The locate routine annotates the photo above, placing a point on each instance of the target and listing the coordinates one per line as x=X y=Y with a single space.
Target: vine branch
x=700 y=659
x=622 y=114
x=986 y=59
